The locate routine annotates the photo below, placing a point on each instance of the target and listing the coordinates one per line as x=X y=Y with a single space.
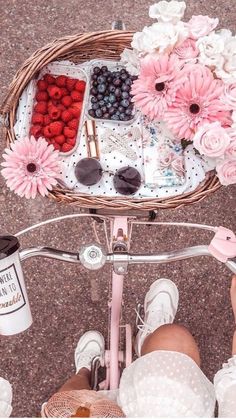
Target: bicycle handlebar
x=124 y=257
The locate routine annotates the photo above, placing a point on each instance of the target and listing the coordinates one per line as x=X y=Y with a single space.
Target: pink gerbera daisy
x=155 y=88
x=197 y=102
x=31 y=166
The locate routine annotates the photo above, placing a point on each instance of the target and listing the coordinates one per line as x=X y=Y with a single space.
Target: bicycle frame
x=222 y=247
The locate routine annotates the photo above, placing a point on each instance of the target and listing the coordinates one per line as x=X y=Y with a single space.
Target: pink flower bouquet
x=186 y=77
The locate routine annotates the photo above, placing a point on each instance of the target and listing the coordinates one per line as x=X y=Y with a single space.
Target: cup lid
x=8 y=246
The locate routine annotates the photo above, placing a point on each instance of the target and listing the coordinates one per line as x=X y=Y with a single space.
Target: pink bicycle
x=14 y=306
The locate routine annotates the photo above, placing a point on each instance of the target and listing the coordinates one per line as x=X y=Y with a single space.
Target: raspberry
x=70 y=84
x=60 y=139
x=47 y=120
x=47 y=132
x=69 y=132
x=61 y=107
x=71 y=141
x=80 y=86
x=64 y=91
x=54 y=112
x=76 y=96
x=35 y=130
x=56 y=127
x=54 y=92
x=42 y=85
x=61 y=81
x=41 y=107
x=37 y=118
x=66 y=116
x=73 y=124
x=77 y=105
x=41 y=96
x=75 y=112
x=49 y=79
x=66 y=101
x=57 y=146
x=66 y=147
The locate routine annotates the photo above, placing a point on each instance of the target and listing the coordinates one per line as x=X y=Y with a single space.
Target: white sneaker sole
x=163 y=285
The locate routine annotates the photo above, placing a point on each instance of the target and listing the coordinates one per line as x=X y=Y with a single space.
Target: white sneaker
x=160 y=307
x=90 y=345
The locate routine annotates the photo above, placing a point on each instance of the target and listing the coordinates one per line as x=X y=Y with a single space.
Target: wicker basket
x=79 y=48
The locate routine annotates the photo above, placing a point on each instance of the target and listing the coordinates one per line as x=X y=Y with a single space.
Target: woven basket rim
x=108 y=44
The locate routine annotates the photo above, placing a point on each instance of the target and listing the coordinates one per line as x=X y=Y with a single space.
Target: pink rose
x=211 y=140
x=226 y=172
x=188 y=50
x=230 y=95
x=230 y=151
x=201 y=26
x=178 y=166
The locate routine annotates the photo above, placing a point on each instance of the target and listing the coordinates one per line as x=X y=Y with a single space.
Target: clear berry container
x=112 y=66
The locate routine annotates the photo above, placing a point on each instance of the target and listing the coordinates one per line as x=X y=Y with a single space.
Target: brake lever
x=223 y=245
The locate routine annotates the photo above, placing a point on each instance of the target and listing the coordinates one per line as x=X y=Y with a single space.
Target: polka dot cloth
x=195 y=167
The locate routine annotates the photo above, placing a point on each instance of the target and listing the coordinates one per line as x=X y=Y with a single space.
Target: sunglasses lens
x=127 y=180
x=88 y=171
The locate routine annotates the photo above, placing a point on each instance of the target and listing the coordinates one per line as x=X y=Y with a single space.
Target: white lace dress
x=170 y=384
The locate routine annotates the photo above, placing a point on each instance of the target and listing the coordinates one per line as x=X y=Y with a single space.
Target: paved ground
x=67 y=300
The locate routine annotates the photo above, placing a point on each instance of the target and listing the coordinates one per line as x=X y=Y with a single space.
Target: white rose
x=167 y=11
x=159 y=37
x=228 y=70
x=130 y=59
x=211 y=49
x=200 y=26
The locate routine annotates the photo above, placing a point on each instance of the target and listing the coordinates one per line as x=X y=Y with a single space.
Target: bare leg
x=79 y=381
x=172 y=337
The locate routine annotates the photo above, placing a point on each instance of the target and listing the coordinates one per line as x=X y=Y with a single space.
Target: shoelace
x=152 y=314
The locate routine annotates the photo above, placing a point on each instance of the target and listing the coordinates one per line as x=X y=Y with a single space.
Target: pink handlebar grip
x=223 y=245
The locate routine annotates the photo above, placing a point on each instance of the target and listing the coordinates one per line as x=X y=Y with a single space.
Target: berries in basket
x=57 y=111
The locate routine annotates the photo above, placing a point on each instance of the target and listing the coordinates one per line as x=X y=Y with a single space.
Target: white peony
x=130 y=59
x=167 y=11
x=228 y=70
x=159 y=37
x=211 y=49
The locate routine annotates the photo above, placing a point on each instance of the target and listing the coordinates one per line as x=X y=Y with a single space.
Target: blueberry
x=95 y=83
x=116 y=105
x=133 y=78
x=111 y=88
x=121 y=109
x=106 y=74
x=95 y=106
x=91 y=112
x=124 y=76
x=94 y=76
x=101 y=103
x=94 y=99
x=104 y=68
x=109 y=79
x=112 y=98
x=102 y=88
x=125 y=95
x=99 y=96
x=122 y=116
x=108 y=105
x=117 y=92
x=101 y=79
x=106 y=99
x=104 y=109
x=117 y=82
x=128 y=82
x=94 y=91
x=128 y=111
x=106 y=115
x=96 y=70
x=125 y=88
x=111 y=110
x=123 y=70
x=98 y=113
x=125 y=103
x=115 y=117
